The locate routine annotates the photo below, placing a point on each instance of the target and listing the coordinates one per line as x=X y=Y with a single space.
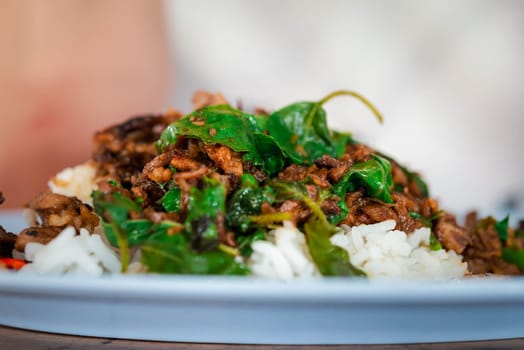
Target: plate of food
x=224 y=225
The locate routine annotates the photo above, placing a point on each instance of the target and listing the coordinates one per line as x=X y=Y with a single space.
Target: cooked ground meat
x=204 y=99
x=450 y=234
x=483 y=255
x=122 y=150
x=60 y=211
x=7 y=239
x=226 y=159
x=7 y=243
x=37 y=234
x=55 y=212
x=365 y=210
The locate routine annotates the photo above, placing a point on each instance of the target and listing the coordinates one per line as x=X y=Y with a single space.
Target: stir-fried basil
x=295 y=134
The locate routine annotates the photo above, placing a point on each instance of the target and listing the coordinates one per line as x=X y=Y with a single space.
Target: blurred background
x=446 y=75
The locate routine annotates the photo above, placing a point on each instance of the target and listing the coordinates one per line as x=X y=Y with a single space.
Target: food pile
x=278 y=195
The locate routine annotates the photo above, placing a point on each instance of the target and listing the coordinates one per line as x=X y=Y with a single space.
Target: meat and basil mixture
x=194 y=192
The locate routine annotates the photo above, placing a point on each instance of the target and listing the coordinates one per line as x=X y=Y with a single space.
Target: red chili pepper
x=12 y=264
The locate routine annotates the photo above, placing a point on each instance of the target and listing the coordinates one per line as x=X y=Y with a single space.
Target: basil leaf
x=136 y=231
x=245 y=242
x=502 y=227
x=222 y=124
x=164 y=253
x=171 y=200
x=373 y=175
x=244 y=203
x=331 y=260
x=300 y=130
x=168 y=137
x=434 y=243
x=204 y=206
x=114 y=210
x=514 y=256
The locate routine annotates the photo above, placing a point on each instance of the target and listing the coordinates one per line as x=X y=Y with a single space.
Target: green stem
x=265 y=219
x=123 y=245
x=228 y=250
x=357 y=96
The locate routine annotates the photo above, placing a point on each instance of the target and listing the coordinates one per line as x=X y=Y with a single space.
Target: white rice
x=283 y=256
x=381 y=251
x=69 y=253
x=378 y=250
x=76 y=181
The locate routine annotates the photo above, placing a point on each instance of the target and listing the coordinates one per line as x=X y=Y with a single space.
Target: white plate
x=248 y=310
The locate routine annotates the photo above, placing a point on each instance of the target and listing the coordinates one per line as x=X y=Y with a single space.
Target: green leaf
x=242 y=204
x=502 y=227
x=171 y=200
x=163 y=253
x=340 y=140
x=434 y=244
x=168 y=137
x=245 y=242
x=301 y=130
x=222 y=124
x=514 y=256
x=268 y=154
x=204 y=206
x=136 y=231
x=114 y=210
x=373 y=175
x=331 y=260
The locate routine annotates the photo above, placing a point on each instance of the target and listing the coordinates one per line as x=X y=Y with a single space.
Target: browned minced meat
x=122 y=150
x=359 y=152
x=225 y=158
x=337 y=168
x=7 y=242
x=7 y=239
x=366 y=210
x=36 y=234
x=61 y=211
x=299 y=212
x=55 y=212
x=450 y=234
x=484 y=254
x=203 y=99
